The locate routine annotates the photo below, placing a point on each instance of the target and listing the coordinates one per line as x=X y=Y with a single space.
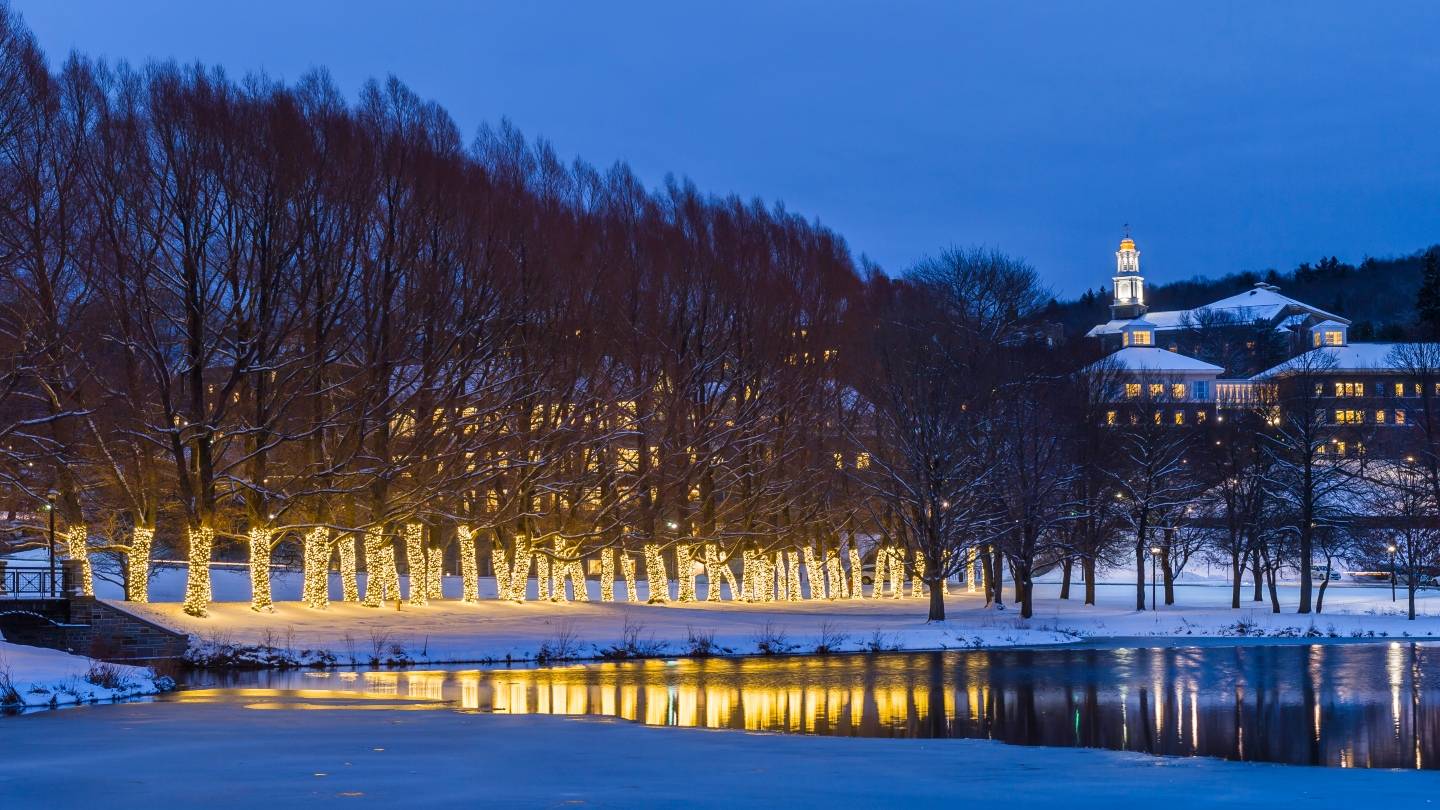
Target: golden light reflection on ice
x=1348 y=706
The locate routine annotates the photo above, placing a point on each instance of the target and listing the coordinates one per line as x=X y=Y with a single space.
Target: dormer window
x=1327 y=333
x=1139 y=337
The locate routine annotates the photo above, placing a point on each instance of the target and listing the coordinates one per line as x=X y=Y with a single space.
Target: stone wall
x=88 y=626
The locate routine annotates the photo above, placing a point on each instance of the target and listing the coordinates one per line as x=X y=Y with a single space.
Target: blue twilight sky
x=1231 y=136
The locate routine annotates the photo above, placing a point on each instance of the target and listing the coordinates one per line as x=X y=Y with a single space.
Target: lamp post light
x=1154 y=553
x=1392 y=572
x=50 y=507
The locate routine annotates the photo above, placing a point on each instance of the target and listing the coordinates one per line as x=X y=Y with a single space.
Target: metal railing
x=30 y=581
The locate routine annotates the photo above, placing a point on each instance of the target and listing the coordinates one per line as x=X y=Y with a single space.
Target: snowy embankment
x=231 y=754
x=449 y=631
x=34 y=676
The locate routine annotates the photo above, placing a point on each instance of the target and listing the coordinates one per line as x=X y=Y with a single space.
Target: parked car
x=1324 y=572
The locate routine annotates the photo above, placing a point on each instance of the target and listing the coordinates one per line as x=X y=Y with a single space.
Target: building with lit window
x=1160 y=365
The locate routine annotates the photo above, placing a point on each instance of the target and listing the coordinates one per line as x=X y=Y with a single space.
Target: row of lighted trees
x=243 y=317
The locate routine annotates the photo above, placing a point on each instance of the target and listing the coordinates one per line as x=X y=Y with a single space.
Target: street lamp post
x=1392 y=572
x=50 y=507
x=1154 y=553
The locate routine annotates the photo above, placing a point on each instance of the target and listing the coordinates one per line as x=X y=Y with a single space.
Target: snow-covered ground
x=245 y=755
x=492 y=630
x=32 y=676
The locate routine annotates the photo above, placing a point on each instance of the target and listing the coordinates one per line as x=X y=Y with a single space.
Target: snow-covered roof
x=1328 y=324
x=1354 y=357
x=1159 y=320
x=1263 y=302
x=1259 y=303
x=1138 y=359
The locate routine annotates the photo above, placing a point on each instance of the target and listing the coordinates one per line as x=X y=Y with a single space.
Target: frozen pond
x=1359 y=705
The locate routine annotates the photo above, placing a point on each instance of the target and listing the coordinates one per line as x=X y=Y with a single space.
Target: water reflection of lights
x=1279 y=703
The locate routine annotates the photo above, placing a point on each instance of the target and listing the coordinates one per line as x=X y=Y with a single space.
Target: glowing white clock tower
x=1129 y=299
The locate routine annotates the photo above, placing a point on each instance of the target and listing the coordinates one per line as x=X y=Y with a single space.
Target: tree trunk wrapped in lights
x=197 y=578
x=575 y=572
x=897 y=572
x=970 y=570
x=685 y=572
x=747 y=576
x=415 y=562
x=316 y=590
x=814 y=573
x=917 y=575
x=792 y=575
x=834 y=574
x=656 y=575
x=261 y=598
x=767 y=577
x=627 y=569
x=77 y=544
x=349 y=582
x=435 y=572
x=882 y=571
x=782 y=578
x=569 y=568
x=137 y=565
x=500 y=564
x=857 y=571
x=718 y=572
x=469 y=570
x=378 y=569
x=607 y=575
x=542 y=577
x=520 y=572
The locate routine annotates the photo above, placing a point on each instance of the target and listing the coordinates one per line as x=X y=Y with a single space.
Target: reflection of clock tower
x=1129 y=284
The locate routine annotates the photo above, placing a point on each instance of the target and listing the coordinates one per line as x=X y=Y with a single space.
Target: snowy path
x=222 y=755
x=491 y=630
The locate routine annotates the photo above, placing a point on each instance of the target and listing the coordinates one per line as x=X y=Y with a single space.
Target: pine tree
x=1427 y=303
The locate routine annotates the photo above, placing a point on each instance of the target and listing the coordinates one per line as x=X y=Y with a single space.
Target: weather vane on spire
x=1126 y=226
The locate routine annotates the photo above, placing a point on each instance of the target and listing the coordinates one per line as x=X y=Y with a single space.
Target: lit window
x=1157 y=417
x=1132 y=390
x=1179 y=417
x=1157 y=390
x=839 y=461
x=1200 y=417
x=862 y=461
x=1340 y=448
x=1110 y=417
x=1349 y=389
x=1178 y=390
x=1380 y=417
x=1399 y=389
x=1143 y=337
x=1399 y=417
x=1349 y=416
x=1334 y=337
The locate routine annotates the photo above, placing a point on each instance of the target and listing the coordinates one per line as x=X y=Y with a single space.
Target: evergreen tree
x=1427 y=303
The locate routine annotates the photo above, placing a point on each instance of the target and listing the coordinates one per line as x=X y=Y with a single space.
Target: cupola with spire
x=1129 y=290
